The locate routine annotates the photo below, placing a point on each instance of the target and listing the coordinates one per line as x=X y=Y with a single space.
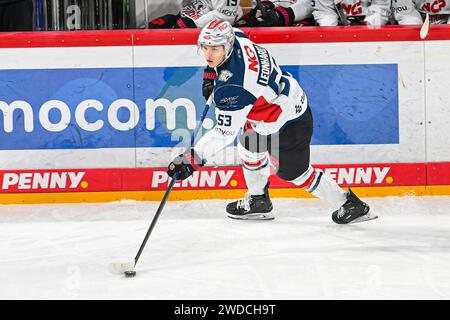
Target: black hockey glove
x=248 y=20
x=164 y=22
x=185 y=164
x=209 y=75
x=357 y=20
x=272 y=16
x=183 y=23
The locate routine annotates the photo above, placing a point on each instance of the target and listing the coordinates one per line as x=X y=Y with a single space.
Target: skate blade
x=253 y=216
x=367 y=217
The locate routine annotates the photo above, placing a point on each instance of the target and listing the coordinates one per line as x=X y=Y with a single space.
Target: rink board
x=115 y=105
x=110 y=114
x=94 y=185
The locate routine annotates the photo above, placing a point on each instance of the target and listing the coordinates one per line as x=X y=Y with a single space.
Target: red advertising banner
x=154 y=179
x=438 y=173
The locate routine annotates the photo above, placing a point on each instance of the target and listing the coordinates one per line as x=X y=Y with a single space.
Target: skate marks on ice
x=196 y=252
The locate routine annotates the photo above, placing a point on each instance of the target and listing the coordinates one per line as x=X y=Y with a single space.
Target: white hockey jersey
x=375 y=12
x=412 y=11
x=203 y=11
x=250 y=88
x=302 y=8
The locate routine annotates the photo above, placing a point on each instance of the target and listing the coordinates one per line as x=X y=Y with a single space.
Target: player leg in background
x=256 y=204
x=294 y=166
x=164 y=22
x=171 y=21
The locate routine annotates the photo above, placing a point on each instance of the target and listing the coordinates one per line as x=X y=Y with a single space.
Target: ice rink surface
x=196 y=252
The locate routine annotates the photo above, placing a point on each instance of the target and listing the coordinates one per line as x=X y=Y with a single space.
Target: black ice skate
x=252 y=207
x=352 y=211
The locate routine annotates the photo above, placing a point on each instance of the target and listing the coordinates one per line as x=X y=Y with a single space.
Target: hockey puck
x=130 y=274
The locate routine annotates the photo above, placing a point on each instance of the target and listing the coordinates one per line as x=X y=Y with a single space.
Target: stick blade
x=425 y=27
x=120 y=267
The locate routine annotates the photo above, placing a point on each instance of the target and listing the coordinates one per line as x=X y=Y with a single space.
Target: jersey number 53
x=224 y=120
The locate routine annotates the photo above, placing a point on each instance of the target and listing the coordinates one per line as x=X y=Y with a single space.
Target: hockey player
x=252 y=93
x=413 y=11
x=278 y=13
x=357 y=12
x=197 y=13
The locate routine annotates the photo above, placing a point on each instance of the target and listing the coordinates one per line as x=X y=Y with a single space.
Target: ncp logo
x=435 y=6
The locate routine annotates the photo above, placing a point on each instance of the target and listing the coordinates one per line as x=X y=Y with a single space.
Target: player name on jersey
x=266 y=66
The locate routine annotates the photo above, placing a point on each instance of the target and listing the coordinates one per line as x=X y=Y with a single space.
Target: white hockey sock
x=256 y=179
x=256 y=168
x=328 y=190
x=322 y=186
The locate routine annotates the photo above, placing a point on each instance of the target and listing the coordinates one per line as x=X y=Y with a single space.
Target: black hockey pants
x=289 y=148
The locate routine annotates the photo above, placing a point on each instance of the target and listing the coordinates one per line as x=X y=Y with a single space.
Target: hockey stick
x=341 y=13
x=425 y=27
x=127 y=268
